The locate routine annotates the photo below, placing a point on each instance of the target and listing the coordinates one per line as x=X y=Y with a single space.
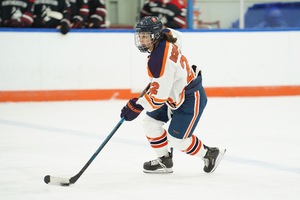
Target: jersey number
x=183 y=62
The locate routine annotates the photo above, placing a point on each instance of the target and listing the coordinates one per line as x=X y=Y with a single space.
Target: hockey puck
x=47 y=179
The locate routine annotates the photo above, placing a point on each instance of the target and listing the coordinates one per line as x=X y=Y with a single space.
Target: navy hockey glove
x=131 y=110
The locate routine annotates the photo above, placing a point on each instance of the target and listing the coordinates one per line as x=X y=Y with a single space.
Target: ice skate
x=212 y=158
x=160 y=165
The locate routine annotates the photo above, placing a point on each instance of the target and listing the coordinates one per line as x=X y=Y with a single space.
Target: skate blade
x=219 y=158
x=159 y=171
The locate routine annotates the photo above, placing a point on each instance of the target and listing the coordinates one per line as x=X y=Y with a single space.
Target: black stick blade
x=52 y=180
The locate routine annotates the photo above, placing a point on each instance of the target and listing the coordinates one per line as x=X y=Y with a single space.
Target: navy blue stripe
x=195 y=146
x=159 y=141
x=154 y=103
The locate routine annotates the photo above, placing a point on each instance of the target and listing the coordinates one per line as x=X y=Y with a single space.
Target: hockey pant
x=182 y=123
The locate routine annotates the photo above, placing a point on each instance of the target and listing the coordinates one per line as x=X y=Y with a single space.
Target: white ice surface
x=262 y=137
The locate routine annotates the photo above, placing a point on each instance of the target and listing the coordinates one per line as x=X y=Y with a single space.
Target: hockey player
x=97 y=14
x=17 y=13
x=172 y=13
x=53 y=14
x=80 y=13
x=176 y=95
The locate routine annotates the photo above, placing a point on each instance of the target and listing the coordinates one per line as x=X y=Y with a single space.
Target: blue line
x=227 y=157
x=64 y=131
x=246 y=30
x=49 y=30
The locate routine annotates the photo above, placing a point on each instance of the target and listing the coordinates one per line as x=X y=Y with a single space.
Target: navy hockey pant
x=185 y=118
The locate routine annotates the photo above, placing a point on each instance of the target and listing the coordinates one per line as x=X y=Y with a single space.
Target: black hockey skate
x=160 y=165
x=212 y=158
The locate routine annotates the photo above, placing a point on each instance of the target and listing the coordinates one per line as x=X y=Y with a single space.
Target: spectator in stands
x=80 y=13
x=97 y=14
x=16 y=13
x=172 y=13
x=273 y=19
x=53 y=14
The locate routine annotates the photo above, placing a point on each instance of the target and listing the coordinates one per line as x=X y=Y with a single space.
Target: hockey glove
x=95 y=23
x=12 y=23
x=64 y=27
x=131 y=110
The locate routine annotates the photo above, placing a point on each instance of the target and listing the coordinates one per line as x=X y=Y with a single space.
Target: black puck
x=47 y=179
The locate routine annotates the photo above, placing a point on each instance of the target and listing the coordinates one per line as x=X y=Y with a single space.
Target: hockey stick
x=53 y=180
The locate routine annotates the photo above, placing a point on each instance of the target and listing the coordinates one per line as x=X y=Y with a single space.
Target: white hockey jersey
x=169 y=72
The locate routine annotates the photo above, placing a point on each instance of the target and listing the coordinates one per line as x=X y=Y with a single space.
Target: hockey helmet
x=147 y=32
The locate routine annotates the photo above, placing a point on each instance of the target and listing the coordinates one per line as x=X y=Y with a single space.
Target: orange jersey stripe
x=165 y=59
x=148 y=98
x=172 y=103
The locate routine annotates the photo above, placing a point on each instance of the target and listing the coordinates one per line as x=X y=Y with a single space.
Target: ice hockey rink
x=261 y=135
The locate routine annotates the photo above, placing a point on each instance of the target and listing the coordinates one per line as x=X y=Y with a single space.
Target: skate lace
x=206 y=161
x=157 y=162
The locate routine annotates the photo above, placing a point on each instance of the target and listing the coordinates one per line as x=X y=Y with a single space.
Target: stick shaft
x=77 y=176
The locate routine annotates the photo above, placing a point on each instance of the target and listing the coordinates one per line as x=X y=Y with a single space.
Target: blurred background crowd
x=61 y=14
x=67 y=14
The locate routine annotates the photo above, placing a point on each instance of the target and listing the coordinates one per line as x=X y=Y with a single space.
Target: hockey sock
x=159 y=144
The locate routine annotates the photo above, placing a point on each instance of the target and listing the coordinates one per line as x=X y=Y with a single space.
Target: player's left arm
x=82 y=17
x=0 y=16
x=65 y=23
x=27 y=16
x=179 y=19
x=97 y=19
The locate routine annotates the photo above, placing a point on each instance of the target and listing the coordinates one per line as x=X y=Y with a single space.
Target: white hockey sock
x=191 y=146
x=159 y=144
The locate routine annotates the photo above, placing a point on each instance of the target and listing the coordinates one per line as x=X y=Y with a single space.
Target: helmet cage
x=144 y=40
